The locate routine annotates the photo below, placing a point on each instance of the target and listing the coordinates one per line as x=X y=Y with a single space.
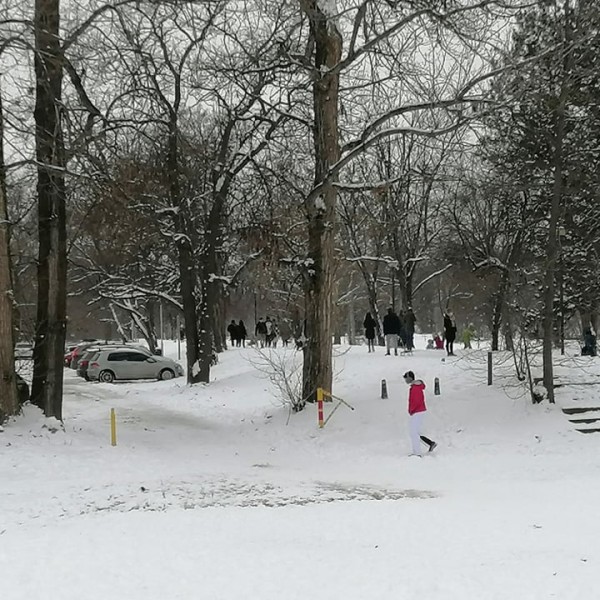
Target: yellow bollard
x=113 y=427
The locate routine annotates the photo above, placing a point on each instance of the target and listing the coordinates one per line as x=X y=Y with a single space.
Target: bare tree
x=52 y=258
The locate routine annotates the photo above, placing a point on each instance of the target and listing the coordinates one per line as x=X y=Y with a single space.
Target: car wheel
x=106 y=376
x=166 y=374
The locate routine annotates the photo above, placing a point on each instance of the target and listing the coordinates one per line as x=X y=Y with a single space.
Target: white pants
x=391 y=341
x=415 y=422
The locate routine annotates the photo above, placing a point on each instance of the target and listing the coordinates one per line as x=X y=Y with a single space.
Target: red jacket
x=416 y=397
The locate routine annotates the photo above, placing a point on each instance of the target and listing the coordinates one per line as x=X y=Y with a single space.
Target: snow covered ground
x=218 y=493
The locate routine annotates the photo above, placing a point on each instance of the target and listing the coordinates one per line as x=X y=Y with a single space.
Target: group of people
x=237 y=333
x=398 y=329
x=267 y=332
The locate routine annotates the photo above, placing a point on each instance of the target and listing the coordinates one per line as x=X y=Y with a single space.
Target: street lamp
x=561 y=290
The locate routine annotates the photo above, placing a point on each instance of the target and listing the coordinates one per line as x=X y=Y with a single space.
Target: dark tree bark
x=185 y=252
x=552 y=249
x=9 y=404
x=211 y=286
x=552 y=255
x=52 y=253
x=317 y=368
x=499 y=308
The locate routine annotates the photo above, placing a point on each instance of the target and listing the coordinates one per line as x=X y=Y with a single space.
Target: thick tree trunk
x=407 y=287
x=211 y=286
x=317 y=368
x=52 y=254
x=9 y=403
x=185 y=255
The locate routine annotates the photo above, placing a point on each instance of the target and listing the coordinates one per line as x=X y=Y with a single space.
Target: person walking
x=242 y=334
x=391 y=331
x=449 y=332
x=416 y=414
x=285 y=332
x=589 y=343
x=370 y=324
x=232 y=330
x=409 y=328
x=260 y=331
x=467 y=336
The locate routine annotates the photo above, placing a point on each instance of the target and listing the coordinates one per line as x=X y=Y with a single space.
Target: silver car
x=123 y=363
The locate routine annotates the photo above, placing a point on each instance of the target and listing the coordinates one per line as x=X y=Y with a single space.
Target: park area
x=219 y=492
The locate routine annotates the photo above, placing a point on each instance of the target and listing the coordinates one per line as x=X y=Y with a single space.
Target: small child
x=417 y=410
x=430 y=344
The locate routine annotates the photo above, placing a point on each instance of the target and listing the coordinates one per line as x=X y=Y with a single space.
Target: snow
x=328 y=8
x=217 y=492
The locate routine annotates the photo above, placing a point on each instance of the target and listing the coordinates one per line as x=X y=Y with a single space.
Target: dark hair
x=409 y=375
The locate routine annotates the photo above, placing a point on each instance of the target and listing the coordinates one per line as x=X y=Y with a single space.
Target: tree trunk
x=317 y=368
x=52 y=253
x=498 y=310
x=351 y=323
x=552 y=255
x=209 y=318
x=185 y=255
x=407 y=286
x=219 y=337
x=370 y=284
x=552 y=245
x=9 y=403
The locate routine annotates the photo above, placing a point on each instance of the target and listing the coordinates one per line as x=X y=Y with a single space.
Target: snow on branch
x=490 y=261
x=355 y=186
x=386 y=260
x=432 y=276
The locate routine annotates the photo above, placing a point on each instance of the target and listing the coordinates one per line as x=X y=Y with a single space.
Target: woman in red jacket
x=416 y=411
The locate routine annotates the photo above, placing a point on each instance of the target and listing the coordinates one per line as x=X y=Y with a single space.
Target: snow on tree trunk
x=317 y=368
x=52 y=252
x=9 y=404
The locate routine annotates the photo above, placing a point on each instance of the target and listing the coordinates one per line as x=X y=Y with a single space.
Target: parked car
x=83 y=362
x=69 y=354
x=78 y=351
x=107 y=365
x=83 y=346
x=23 y=351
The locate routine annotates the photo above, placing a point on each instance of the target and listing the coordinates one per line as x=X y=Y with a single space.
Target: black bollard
x=384 y=393
x=436 y=386
x=489 y=368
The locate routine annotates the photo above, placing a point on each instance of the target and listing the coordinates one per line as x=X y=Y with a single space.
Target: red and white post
x=320 y=397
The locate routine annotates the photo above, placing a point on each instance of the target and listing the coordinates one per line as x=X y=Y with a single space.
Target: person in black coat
x=232 y=330
x=449 y=331
x=589 y=343
x=242 y=334
x=391 y=331
x=409 y=328
x=370 y=324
